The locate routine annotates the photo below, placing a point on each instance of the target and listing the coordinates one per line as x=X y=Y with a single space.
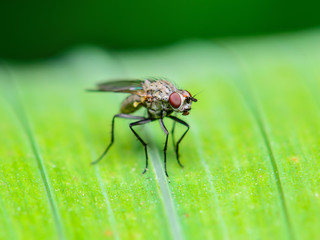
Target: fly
x=160 y=97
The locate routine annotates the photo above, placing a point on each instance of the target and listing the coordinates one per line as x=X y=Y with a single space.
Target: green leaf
x=251 y=156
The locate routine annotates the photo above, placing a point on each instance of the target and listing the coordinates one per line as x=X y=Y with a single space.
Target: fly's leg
x=174 y=142
x=131 y=125
x=121 y=115
x=175 y=119
x=172 y=136
x=165 y=145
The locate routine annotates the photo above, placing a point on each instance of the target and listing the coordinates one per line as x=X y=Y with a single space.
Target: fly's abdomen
x=131 y=104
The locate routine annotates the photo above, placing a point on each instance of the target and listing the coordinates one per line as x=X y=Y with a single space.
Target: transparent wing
x=125 y=86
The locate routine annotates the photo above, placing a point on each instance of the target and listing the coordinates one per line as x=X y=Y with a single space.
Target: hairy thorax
x=154 y=97
x=157 y=98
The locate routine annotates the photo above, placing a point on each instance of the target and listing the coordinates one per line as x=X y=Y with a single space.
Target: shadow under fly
x=161 y=98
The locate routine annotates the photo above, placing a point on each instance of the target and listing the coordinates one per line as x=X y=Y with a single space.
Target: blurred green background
x=251 y=156
x=33 y=29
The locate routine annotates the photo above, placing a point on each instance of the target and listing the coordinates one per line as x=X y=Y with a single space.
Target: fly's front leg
x=174 y=142
x=131 y=125
x=121 y=115
x=165 y=145
x=172 y=136
x=175 y=119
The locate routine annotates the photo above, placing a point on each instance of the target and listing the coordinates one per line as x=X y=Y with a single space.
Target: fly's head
x=181 y=100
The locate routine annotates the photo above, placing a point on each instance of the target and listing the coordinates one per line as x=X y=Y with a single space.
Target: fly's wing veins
x=125 y=86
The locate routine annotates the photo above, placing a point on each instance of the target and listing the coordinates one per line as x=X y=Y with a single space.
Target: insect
x=160 y=97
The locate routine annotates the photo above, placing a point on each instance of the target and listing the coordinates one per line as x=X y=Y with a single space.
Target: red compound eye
x=175 y=100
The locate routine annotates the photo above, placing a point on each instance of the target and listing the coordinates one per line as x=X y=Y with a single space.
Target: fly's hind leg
x=121 y=115
x=141 y=122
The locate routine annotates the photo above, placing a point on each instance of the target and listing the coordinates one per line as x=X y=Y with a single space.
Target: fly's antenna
x=198 y=93
x=193 y=99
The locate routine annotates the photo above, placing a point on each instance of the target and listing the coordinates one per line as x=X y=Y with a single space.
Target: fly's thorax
x=160 y=89
x=158 y=108
x=156 y=97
